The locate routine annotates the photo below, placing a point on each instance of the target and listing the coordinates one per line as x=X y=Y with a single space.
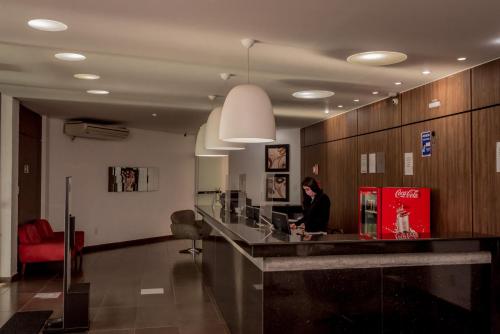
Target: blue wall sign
x=426 y=143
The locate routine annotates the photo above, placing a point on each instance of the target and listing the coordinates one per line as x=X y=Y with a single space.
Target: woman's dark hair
x=312 y=184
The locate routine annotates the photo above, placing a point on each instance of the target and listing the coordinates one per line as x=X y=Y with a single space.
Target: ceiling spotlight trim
x=313 y=94
x=86 y=76
x=69 y=56
x=98 y=91
x=377 y=58
x=47 y=25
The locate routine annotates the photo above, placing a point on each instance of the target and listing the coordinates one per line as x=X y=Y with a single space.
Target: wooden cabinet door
x=342 y=184
x=315 y=155
x=486 y=85
x=486 y=180
x=342 y=126
x=447 y=171
x=314 y=134
x=379 y=116
x=385 y=144
x=450 y=95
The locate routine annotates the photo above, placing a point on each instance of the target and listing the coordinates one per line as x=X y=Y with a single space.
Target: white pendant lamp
x=212 y=141
x=247 y=114
x=201 y=150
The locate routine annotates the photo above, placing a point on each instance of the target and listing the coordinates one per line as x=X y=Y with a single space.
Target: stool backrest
x=183 y=217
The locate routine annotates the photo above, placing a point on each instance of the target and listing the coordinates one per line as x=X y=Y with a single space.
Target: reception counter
x=268 y=282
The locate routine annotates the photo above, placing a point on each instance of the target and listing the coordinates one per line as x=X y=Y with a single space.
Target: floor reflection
x=116 y=305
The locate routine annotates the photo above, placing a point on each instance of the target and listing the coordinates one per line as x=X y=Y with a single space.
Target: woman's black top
x=316 y=213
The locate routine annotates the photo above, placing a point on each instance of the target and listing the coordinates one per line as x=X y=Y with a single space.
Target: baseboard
x=10 y=279
x=124 y=244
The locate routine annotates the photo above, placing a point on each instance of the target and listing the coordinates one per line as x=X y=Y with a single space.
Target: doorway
x=211 y=174
x=30 y=154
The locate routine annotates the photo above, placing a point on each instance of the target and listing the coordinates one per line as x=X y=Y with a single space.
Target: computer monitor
x=280 y=222
x=249 y=212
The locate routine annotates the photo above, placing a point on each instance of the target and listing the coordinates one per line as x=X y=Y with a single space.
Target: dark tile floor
x=116 y=305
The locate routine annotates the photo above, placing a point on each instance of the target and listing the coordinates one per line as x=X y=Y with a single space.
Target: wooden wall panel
x=486 y=181
x=342 y=184
x=379 y=116
x=447 y=172
x=315 y=134
x=342 y=126
x=453 y=92
x=315 y=154
x=486 y=85
x=302 y=137
x=388 y=142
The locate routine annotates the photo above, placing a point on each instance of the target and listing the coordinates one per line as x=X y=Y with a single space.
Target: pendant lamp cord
x=248 y=65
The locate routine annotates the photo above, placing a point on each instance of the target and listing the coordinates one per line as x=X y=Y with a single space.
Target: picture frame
x=277 y=158
x=133 y=179
x=277 y=187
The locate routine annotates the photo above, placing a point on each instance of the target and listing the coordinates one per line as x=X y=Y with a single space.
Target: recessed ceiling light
x=98 y=92
x=340 y=106
x=356 y=100
x=47 y=25
x=374 y=92
x=70 y=56
x=377 y=58
x=154 y=115
x=86 y=76
x=398 y=83
x=426 y=72
x=461 y=58
x=313 y=94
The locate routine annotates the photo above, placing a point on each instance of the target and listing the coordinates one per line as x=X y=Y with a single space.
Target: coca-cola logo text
x=410 y=193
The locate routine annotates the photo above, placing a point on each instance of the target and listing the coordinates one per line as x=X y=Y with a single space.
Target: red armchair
x=39 y=243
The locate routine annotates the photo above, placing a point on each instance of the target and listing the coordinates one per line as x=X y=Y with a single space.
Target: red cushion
x=44 y=228
x=42 y=252
x=28 y=234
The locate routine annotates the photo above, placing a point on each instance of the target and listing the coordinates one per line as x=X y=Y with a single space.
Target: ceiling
x=164 y=57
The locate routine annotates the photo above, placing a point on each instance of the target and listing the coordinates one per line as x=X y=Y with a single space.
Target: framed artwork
x=278 y=158
x=277 y=187
x=132 y=179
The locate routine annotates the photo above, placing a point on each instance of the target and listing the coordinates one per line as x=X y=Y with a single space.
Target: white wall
x=251 y=162
x=113 y=217
x=9 y=151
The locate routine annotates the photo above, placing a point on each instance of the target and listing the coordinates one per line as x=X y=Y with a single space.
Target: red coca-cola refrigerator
x=394 y=212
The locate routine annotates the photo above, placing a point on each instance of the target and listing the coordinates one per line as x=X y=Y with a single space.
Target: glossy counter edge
x=356 y=261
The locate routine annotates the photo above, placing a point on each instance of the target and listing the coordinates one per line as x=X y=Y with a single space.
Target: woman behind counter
x=316 y=205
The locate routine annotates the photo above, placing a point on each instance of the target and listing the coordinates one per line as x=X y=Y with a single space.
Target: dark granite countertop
x=261 y=241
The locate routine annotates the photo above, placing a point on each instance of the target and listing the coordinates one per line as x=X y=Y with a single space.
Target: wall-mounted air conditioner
x=96 y=131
